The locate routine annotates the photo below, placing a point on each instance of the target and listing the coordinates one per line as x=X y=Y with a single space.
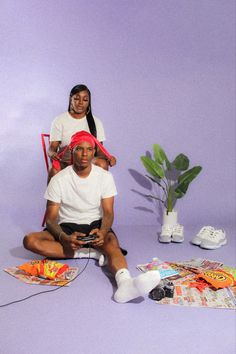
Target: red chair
x=45 y=143
x=46 y=158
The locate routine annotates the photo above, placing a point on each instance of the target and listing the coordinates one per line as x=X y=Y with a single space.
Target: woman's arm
x=52 y=150
x=101 y=155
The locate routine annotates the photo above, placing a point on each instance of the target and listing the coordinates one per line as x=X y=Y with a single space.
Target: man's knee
x=29 y=242
x=111 y=244
x=26 y=242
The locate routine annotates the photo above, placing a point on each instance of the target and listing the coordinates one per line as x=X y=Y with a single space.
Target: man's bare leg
x=43 y=243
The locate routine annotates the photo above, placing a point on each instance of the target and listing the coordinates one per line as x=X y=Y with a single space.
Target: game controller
x=87 y=238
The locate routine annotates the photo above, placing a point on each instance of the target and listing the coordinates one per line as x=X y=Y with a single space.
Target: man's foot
x=91 y=253
x=131 y=288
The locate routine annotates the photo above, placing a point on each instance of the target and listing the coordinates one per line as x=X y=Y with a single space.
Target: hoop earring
x=88 y=110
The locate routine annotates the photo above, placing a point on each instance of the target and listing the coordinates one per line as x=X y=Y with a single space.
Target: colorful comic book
x=166 y=271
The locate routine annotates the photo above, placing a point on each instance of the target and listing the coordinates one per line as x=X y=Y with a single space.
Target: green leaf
x=152 y=167
x=181 y=162
x=160 y=156
x=185 y=179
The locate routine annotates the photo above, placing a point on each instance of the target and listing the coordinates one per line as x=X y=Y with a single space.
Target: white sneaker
x=178 y=233
x=166 y=233
x=202 y=234
x=214 y=240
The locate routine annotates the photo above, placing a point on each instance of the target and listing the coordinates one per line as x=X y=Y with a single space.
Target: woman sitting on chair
x=79 y=117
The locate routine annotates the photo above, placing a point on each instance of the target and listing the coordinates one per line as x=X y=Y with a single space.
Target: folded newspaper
x=185 y=293
x=44 y=272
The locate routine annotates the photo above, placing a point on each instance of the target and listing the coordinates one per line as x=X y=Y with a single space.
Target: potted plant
x=173 y=178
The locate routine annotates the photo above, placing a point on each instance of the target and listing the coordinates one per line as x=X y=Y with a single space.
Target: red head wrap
x=76 y=139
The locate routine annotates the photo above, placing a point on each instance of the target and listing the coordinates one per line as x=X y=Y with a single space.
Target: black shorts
x=69 y=228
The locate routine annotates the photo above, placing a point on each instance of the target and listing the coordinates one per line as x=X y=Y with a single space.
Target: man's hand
x=75 y=240
x=99 y=241
x=72 y=241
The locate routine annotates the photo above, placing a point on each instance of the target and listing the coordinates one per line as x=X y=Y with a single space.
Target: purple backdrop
x=159 y=72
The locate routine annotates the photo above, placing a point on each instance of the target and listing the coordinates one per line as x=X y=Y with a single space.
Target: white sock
x=131 y=288
x=102 y=260
x=91 y=253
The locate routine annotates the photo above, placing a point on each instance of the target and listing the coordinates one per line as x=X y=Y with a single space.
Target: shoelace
x=178 y=228
x=168 y=227
x=216 y=235
x=206 y=231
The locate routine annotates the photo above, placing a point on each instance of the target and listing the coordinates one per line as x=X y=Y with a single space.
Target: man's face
x=79 y=103
x=83 y=155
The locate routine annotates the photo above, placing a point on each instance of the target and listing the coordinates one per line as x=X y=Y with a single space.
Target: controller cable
x=51 y=290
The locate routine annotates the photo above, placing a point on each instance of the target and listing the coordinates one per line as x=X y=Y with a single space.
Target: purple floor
x=83 y=318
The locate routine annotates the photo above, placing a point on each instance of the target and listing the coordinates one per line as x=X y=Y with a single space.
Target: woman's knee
x=52 y=172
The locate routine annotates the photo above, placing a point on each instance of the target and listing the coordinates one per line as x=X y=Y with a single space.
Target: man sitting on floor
x=80 y=200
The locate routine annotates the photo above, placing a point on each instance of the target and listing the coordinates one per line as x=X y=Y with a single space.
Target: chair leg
x=44 y=219
x=45 y=138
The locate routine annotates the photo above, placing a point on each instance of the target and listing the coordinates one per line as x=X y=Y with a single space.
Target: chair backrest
x=45 y=138
x=45 y=143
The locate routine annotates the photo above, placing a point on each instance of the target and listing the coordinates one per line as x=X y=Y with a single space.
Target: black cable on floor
x=51 y=290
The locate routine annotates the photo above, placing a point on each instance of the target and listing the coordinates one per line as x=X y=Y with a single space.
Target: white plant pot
x=171 y=218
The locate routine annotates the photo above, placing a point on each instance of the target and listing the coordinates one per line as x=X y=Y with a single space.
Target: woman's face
x=79 y=103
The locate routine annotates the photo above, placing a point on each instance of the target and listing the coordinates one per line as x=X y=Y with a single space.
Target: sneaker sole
x=196 y=243
x=212 y=247
x=177 y=241
x=164 y=241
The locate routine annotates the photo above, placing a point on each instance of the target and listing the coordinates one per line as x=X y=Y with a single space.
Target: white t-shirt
x=80 y=198
x=64 y=126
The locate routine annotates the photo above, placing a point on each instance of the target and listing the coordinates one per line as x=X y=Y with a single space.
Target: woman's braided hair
x=89 y=115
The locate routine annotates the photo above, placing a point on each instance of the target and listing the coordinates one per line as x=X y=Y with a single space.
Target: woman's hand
x=52 y=151
x=112 y=161
x=53 y=156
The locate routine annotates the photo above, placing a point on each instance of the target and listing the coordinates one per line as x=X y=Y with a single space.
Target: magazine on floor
x=190 y=289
